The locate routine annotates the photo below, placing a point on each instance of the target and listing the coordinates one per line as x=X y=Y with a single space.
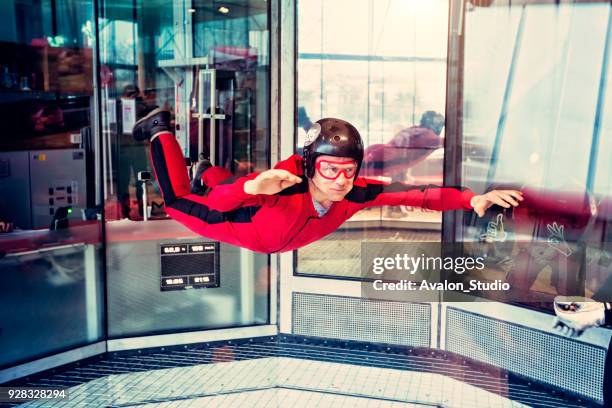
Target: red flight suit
x=284 y=221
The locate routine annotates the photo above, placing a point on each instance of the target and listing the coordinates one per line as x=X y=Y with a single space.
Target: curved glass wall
x=538 y=120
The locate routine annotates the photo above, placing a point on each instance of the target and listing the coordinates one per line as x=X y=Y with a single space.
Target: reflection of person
x=132 y=91
x=5 y=226
x=301 y=200
x=48 y=118
x=406 y=149
x=577 y=314
x=132 y=158
x=553 y=260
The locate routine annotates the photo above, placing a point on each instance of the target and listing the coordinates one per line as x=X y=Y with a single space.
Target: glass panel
x=599 y=250
x=531 y=121
x=51 y=294
x=485 y=85
x=380 y=70
x=185 y=56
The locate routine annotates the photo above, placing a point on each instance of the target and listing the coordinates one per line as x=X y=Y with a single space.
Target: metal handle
x=145 y=204
x=213 y=111
x=201 y=115
x=213 y=116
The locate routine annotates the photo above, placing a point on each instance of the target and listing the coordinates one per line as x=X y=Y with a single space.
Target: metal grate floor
x=292 y=372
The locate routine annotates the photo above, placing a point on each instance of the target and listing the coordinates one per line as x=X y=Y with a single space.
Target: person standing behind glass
x=132 y=157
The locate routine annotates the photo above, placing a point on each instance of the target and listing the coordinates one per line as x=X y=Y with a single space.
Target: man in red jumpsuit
x=300 y=200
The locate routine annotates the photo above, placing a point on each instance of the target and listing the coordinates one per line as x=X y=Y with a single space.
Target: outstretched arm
x=371 y=193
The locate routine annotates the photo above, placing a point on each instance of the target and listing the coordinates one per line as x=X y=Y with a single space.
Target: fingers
x=508 y=198
x=285 y=175
x=493 y=197
x=512 y=193
x=504 y=198
x=286 y=183
x=271 y=182
x=516 y=194
x=279 y=174
x=566 y=330
x=560 y=327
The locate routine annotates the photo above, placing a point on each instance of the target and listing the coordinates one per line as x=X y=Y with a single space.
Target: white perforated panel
x=545 y=357
x=349 y=318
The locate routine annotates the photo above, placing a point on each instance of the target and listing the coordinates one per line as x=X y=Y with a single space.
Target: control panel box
x=189 y=266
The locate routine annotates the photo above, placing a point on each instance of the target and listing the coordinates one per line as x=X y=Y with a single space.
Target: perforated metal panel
x=555 y=360
x=349 y=318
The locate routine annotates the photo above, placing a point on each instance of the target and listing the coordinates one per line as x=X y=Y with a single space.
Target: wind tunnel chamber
x=129 y=307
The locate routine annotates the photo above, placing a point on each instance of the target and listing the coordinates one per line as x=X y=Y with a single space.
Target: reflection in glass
x=539 y=121
x=131 y=86
x=384 y=70
x=50 y=233
x=210 y=69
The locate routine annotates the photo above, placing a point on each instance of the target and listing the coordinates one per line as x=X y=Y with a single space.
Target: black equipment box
x=189 y=266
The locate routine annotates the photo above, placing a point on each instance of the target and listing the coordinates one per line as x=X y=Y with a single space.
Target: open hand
x=271 y=182
x=557 y=238
x=575 y=314
x=504 y=198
